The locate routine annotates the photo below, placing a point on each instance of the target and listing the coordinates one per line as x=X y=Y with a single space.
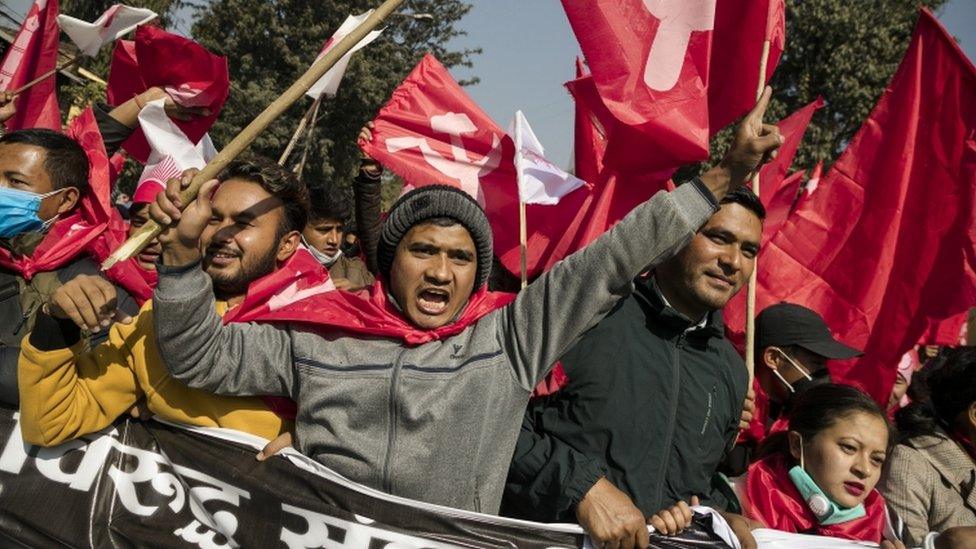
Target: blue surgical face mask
x=825 y=509
x=18 y=212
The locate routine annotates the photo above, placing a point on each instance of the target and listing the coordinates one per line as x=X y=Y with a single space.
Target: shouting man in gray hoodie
x=435 y=421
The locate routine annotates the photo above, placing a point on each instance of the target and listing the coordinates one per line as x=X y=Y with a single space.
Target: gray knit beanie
x=429 y=202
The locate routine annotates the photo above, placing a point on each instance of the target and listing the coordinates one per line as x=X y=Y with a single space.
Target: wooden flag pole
x=308 y=137
x=150 y=230
x=296 y=135
x=751 y=297
x=523 y=236
x=46 y=75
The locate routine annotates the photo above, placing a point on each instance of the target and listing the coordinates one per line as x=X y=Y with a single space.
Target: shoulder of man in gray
x=462 y=399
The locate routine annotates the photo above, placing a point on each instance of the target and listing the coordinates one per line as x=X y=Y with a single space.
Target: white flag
x=329 y=83
x=540 y=181
x=114 y=23
x=170 y=151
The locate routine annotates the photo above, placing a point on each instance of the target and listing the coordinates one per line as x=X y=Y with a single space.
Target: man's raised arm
x=550 y=315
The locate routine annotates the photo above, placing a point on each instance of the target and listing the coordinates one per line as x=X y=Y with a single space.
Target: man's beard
x=227 y=287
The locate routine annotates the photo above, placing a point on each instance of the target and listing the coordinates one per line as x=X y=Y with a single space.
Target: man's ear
x=287 y=245
x=796 y=444
x=68 y=199
x=770 y=358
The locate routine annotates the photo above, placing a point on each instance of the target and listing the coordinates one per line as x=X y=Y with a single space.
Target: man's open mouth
x=433 y=301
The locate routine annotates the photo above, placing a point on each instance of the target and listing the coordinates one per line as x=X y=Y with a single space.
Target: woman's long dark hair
x=818 y=409
x=939 y=392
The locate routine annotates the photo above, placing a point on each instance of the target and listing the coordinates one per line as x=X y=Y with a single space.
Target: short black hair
x=940 y=391
x=279 y=183
x=66 y=162
x=327 y=202
x=744 y=197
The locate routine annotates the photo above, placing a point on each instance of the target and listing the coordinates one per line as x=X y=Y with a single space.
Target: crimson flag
x=651 y=62
x=432 y=132
x=773 y=175
x=950 y=331
x=189 y=73
x=892 y=242
x=74 y=233
x=590 y=137
x=33 y=53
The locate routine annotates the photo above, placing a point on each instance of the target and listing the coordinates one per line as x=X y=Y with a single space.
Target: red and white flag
x=34 y=52
x=651 y=62
x=891 y=245
x=171 y=151
x=328 y=85
x=189 y=73
x=116 y=22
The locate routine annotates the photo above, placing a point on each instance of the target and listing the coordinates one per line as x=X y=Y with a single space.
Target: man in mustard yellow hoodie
x=67 y=390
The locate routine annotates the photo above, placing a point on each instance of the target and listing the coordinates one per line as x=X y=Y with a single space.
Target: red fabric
x=590 y=138
x=554 y=382
x=33 y=53
x=405 y=124
x=301 y=292
x=73 y=233
x=774 y=500
x=772 y=176
x=948 y=332
x=159 y=58
x=892 y=242
x=652 y=63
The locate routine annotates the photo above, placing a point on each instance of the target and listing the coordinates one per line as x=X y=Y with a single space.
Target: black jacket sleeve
x=548 y=477
x=367 y=191
x=114 y=133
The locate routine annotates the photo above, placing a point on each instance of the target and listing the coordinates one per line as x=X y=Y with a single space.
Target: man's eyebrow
x=462 y=253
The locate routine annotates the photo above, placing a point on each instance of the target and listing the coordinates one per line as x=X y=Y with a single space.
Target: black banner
x=150 y=484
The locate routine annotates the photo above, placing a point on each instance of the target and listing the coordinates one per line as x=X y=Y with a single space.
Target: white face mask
x=795 y=364
x=322 y=258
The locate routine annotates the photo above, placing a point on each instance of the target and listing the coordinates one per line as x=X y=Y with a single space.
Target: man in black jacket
x=653 y=400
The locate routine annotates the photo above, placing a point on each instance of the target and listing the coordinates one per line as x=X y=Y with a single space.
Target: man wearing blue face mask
x=43 y=179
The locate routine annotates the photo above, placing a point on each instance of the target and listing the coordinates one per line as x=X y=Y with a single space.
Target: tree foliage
x=845 y=51
x=270 y=43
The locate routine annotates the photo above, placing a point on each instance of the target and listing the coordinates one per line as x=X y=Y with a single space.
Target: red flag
x=193 y=76
x=894 y=241
x=741 y=27
x=792 y=128
x=950 y=331
x=651 y=61
x=72 y=234
x=590 y=137
x=33 y=53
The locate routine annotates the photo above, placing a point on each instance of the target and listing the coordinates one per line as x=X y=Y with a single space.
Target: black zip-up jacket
x=650 y=404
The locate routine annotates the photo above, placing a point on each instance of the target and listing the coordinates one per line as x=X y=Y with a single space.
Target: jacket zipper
x=391 y=431
x=23 y=319
x=675 y=387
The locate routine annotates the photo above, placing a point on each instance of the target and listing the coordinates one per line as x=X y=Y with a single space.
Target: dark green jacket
x=648 y=405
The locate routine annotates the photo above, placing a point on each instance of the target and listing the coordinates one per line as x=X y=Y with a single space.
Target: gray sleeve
x=198 y=349
x=550 y=315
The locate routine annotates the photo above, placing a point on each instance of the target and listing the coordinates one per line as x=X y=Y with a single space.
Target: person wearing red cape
x=819 y=477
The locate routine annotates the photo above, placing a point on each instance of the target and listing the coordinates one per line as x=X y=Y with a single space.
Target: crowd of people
x=428 y=369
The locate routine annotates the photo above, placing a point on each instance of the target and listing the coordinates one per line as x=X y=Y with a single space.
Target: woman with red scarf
x=818 y=477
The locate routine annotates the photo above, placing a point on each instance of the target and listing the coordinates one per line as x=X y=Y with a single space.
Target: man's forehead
x=238 y=195
x=455 y=235
x=22 y=157
x=737 y=219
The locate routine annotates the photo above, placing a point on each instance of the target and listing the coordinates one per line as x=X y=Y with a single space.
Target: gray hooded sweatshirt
x=435 y=422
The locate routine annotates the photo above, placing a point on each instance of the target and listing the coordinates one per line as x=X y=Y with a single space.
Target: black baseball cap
x=787 y=324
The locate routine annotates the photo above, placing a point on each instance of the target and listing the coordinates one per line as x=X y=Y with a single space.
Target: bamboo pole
x=299 y=130
x=150 y=230
x=308 y=137
x=523 y=231
x=46 y=75
x=751 y=297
